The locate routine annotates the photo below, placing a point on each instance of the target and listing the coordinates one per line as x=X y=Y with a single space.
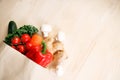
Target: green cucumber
x=12 y=27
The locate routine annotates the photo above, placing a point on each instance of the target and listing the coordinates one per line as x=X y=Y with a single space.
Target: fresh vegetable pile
x=27 y=41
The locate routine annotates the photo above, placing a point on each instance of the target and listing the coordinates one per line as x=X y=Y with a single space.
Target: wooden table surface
x=92 y=29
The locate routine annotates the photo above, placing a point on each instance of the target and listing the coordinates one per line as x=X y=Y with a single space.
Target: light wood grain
x=92 y=30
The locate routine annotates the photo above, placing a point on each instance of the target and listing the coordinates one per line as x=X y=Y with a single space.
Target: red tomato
x=13 y=47
x=28 y=46
x=21 y=48
x=15 y=40
x=25 y=38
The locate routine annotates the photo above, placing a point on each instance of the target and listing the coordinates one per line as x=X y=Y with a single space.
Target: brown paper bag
x=15 y=66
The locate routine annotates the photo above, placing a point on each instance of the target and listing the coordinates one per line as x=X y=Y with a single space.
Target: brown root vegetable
x=56 y=59
x=57 y=49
